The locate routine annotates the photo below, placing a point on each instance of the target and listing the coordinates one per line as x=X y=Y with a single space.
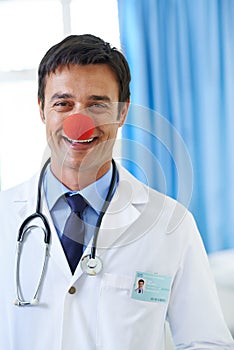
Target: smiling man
x=105 y=231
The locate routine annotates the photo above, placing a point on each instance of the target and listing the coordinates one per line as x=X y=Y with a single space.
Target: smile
x=79 y=141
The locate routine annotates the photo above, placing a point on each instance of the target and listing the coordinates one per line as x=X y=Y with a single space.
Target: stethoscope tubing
x=104 y=209
x=89 y=262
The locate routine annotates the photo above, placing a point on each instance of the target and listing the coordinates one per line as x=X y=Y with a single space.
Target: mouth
x=80 y=145
x=79 y=141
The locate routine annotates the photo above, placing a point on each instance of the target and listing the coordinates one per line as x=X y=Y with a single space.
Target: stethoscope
x=90 y=264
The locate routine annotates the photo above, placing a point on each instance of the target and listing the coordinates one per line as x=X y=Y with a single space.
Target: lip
x=80 y=145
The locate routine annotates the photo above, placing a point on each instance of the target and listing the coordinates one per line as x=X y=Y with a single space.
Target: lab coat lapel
x=125 y=208
x=56 y=250
x=26 y=203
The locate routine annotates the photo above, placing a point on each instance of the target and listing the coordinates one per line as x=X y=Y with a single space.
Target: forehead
x=98 y=78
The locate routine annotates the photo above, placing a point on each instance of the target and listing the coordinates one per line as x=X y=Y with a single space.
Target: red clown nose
x=78 y=127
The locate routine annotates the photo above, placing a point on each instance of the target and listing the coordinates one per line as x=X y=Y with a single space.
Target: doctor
x=83 y=75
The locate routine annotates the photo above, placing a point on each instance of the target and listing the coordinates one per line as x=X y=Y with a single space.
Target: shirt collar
x=94 y=194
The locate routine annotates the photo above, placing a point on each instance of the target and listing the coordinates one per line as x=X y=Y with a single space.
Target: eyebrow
x=99 y=98
x=59 y=96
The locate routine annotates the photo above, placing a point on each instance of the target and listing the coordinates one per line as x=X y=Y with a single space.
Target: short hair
x=83 y=50
x=141 y=281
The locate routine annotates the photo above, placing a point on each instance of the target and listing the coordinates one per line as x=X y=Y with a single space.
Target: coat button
x=72 y=290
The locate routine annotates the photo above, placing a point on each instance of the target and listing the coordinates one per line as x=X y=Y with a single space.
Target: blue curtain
x=181 y=55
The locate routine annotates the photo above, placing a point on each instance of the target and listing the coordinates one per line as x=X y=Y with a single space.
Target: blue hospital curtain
x=179 y=136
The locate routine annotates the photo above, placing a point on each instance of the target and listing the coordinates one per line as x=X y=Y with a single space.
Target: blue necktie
x=73 y=235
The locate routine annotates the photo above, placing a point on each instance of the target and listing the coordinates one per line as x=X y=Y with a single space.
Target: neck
x=78 y=178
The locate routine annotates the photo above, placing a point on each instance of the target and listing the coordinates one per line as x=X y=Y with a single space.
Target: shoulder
x=166 y=210
x=19 y=192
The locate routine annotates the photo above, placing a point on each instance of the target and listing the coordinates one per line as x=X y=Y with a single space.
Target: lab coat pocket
x=123 y=322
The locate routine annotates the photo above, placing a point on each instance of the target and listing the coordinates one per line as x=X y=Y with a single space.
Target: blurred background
x=181 y=55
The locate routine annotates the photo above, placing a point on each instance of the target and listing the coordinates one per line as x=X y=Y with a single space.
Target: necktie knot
x=76 y=202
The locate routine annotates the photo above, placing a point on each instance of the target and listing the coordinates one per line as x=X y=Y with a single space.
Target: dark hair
x=141 y=281
x=83 y=50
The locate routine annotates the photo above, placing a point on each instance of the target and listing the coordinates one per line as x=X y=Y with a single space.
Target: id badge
x=151 y=287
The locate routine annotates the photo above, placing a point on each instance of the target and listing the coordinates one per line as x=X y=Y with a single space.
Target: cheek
x=51 y=134
x=109 y=131
x=107 y=125
x=53 y=124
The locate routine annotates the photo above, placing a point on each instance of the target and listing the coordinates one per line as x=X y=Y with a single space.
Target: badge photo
x=151 y=287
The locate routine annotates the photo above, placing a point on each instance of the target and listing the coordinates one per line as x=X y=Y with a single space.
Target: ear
x=123 y=113
x=41 y=111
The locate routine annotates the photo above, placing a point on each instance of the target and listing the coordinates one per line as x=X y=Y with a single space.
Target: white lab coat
x=142 y=231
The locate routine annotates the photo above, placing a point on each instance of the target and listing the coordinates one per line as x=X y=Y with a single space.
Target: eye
x=62 y=106
x=98 y=107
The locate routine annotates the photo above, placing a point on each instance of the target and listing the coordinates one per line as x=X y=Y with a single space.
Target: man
x=140 y=286
x=83 y=78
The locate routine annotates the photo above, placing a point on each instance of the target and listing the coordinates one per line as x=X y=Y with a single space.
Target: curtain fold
x=181 y=55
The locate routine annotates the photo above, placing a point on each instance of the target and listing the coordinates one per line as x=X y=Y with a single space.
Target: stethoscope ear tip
x=17 y=302
x=35 y=301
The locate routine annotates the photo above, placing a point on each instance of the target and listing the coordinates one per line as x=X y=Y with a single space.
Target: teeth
x=80 y=141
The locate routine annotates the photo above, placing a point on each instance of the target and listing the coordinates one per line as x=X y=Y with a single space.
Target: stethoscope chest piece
x=91 y=266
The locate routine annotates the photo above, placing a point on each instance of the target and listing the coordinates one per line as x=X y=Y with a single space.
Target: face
x=92 y=90
x=141 y=285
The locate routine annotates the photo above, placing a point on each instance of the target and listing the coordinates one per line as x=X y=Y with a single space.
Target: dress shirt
x=94 y=194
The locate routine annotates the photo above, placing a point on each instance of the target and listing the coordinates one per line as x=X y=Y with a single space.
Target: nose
x=78 y=127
